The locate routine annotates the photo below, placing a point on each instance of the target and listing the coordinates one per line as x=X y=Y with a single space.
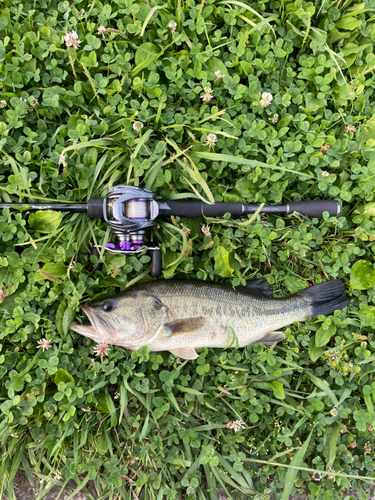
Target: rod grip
x=198 y=209
x=315 y=208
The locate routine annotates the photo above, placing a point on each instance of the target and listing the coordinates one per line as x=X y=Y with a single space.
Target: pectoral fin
x=185 y=352
x=186 y=325
x=270 y=338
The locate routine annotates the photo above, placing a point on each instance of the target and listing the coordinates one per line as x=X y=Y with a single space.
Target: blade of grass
x=241 y=481
x=16 y=460
x=243 y=6
x=211 y=483
x=216 y=132
x=162 y=100
x=296 y=462
x=323 y=385
x=332 y=447
x=197 y=177
x=370 y=407
x=145 y=428
x=308 y=469
x=123 y=404
x=136 y=394
x=111 y=408
x=79 y=487
x=149 y=16
x=96 y=143
x=98 y=169
x=196 y=191
x=243 y=161
x=142 y=141
x=184 y=242
x=153 y=172
x=97 y=386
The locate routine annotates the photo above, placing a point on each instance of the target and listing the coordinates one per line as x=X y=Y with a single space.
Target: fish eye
x=108 y=306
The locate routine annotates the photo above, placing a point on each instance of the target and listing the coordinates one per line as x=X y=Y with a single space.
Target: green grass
x=151 y=426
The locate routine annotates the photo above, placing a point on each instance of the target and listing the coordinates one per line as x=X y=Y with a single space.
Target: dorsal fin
x=186 y=325
x=258 y=286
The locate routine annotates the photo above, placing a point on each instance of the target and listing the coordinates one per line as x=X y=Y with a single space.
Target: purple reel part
x=126 y=246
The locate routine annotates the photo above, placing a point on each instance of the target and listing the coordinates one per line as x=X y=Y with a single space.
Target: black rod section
x=61 y=207
x=198 y=209
x=313 y=208
x=267 y=209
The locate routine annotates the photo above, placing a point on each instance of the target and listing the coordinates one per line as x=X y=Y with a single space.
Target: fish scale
x=183 y=315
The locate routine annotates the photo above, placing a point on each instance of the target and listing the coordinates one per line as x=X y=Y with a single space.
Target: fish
x=181 y=316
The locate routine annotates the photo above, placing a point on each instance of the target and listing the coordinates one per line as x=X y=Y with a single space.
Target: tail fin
x=326 y=297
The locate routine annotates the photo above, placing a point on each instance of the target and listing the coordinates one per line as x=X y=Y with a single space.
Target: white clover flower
x=101 y=348
x=24 y=100
x=62 y=161
x=317 y=476
x=206 y=230
x=218 y=75
x=325 y=173
x=4 y=104
x=101 y=31
x=137 y=126
x=236 y=425
x=350 y=128
x=172 y=25
x=71 y=39
x=334 y=412
x=274 y=119
x=44 y=344
x=266 y=99
x=211 y=140
x=207 y=94
x=33 y=101
x=68 y=39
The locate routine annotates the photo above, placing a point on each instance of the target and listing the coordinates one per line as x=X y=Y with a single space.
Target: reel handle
x=156 y=268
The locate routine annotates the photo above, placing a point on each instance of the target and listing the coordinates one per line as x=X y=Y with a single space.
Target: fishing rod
x=131 y=212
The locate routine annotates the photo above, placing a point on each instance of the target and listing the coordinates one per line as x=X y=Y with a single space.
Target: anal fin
x=270 y=338
x=185 y=352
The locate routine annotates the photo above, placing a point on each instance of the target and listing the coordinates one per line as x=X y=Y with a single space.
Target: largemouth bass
x=181 y=316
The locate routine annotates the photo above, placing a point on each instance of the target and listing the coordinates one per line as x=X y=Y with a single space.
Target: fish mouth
x=90 y=329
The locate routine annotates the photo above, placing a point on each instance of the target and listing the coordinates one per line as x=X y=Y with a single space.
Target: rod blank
x=60 y=207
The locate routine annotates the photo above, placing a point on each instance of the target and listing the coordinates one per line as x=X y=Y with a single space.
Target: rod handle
x=198 y=209
x=315 y=208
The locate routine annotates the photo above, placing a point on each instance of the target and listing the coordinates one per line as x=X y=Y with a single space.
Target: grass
x=148 y=425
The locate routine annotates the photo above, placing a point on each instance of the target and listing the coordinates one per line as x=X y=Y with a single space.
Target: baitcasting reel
x=131 y=211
